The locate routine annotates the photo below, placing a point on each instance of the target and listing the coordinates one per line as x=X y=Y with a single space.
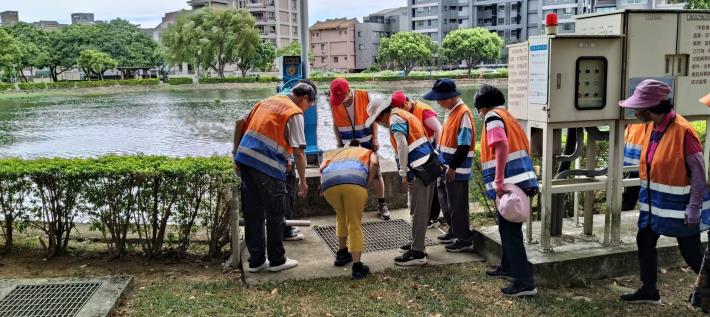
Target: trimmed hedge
x=164 y=200
x=259 y=79
x=89 y=84
x=180 y=81
x=6 y=86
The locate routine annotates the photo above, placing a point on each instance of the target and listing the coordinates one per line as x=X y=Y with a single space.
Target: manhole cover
x=379 y=235
x=47 y=299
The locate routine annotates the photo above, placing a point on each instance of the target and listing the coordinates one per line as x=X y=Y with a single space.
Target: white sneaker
x=289 y=264
x=295 y=237
x=259 y=268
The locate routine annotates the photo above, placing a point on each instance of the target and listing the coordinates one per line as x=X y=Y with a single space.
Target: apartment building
x=374 y=27
x=612 y=5
x=9 y=18
x=82 y=18
x=333 y=45
x=278 y=21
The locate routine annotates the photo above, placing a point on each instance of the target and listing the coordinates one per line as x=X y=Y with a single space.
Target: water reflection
x=176 y=123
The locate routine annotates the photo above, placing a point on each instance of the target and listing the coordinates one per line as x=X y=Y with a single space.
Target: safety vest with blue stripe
x=633 y=143
x=665 y=184
x=263 y=145
x=519 y=168
x=449 y=141
x=417 y=141
x=354 y=129
x=349 y=165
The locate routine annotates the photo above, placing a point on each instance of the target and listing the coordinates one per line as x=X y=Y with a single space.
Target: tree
x=262 y=57
x=34 y=47
x=67 y=44
x=212 y=38
x=128 y=45
x=9 y=53
x=293 y=49
x=472 y=46
x=95 y=62
x=406 y=49
x=698 y=4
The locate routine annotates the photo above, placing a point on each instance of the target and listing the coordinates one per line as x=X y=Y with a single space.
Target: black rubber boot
x=360 y=271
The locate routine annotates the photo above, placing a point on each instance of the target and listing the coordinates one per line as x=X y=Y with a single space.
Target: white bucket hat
x=375 y=108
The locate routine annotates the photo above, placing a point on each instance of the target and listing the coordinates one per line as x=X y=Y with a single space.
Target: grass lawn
x=430 y=291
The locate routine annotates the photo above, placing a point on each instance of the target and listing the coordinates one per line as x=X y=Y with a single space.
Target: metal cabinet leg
x=546 y=207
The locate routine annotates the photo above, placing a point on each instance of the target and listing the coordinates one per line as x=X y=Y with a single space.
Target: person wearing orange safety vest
x=633 y=143
x=349 y=107
x=345 y=175
x=412 y=149
x=674 y=199
x=264 y=141
x=505 y=159
x=456 y=147
x=429 y=119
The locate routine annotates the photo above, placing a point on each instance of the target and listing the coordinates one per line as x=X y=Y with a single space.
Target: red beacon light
x=551 y=24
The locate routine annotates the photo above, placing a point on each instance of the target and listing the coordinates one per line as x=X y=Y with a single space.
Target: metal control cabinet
x=669 y=45
x=570 y=78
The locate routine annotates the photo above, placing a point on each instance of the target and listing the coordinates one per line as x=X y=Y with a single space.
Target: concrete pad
x=316 y=260
x=578 y=258
x=101 y=303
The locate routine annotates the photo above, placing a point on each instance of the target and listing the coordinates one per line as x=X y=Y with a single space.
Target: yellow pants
x=349 y=203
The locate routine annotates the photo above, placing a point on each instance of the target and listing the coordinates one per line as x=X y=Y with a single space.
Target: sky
x=148 y=13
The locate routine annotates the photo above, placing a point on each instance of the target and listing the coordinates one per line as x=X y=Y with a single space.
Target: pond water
x=173 y=123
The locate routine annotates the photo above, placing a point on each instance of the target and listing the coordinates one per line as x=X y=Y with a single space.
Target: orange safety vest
x=418 y=111
x=633 y=143
x=449 y=141
x=518 y=169
x=665 y=183
x=417 y=140
x=348 y=165
x=357 y=130
x=264 y=145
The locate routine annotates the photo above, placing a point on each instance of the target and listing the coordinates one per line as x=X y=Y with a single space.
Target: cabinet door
x=692 y=63
x=651 y=37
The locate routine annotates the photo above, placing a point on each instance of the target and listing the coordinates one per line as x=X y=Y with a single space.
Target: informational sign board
x=518 y=55
x=538 y=71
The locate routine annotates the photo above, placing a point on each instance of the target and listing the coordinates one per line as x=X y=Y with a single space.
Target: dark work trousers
x=263 y=199
x=435 y=209
x=630 y=196
x=291 y=191
x=646 y=240
x=453 y=198
x=514 y=260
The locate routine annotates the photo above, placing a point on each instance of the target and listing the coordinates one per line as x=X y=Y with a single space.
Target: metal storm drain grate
x=379 y=235
x=47 y=299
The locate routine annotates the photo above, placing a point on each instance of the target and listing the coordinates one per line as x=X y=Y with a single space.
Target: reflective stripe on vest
x=519 y=168
x=449 y=141
x=263 y=145
x=356 y=130
x=417 y=142
x=664 y=195
x=633 y=143
x=349 y=165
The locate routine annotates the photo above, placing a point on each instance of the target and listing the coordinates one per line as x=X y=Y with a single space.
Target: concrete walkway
x=578 y=258
x=316 y=260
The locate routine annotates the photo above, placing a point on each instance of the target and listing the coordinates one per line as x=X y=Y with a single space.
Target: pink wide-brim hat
x=648 y=94
x=514 y=205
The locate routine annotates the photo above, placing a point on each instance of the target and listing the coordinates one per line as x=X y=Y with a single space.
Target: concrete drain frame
x=65 y=297
x=379 y=235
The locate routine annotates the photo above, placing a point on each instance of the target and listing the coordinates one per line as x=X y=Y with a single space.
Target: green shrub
x=217 y=80
x=7 y=86
x=119 y=194
x=61 y=84
x=31 y=86
x=180 y=81
x=140 y=82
